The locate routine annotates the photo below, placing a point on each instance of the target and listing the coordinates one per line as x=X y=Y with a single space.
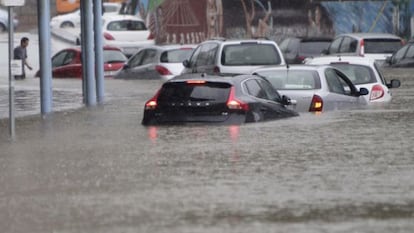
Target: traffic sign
x=12 y=2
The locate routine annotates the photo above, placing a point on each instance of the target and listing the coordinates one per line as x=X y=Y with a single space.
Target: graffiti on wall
x=192 y=21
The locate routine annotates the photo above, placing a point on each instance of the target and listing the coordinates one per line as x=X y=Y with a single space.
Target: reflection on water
x=27 y=102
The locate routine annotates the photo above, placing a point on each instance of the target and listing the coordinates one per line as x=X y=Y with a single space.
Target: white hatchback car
x=73 y=19
x=127 y=32
x=363 y=72
x=374 y=45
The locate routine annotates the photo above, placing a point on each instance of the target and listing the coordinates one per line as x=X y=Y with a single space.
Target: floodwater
x=99 y=171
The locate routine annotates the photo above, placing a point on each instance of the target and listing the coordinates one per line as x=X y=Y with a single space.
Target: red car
x=67 y=62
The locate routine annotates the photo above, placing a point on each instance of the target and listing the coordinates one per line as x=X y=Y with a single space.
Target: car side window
x=410 y=52
x=149 y=57
x=69 y=58
x=399 y=54
x=335 y=84
x=254 y=89
x=334 y=48
x=348 y=45
x=136 y=59
x=206 y=55
x=271 y=93
x=58 y=59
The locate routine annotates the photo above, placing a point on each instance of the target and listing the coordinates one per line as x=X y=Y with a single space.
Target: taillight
x=233 y=103
x=362 y=45
x=216 y=70
x=162 y=70
x=316 y=104
x=108 y=36
x=152 y=103
x=151 y=36
x=301 y=58
x=376 y=92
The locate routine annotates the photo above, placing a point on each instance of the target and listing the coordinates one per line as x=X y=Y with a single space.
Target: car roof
x=370 y=35
x=236 y=41
x=343 y=58
x=110 y=17
x=293 y=67
x=210 y=78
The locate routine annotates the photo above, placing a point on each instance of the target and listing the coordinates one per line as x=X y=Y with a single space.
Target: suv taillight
x=316 y=104
x=362 y=46
x=153 y=102
x=376 y=92
x=151 y=36
x=162 y=70
x=233 y=103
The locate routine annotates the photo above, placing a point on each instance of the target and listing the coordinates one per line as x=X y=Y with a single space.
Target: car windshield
x=381 y=45
x=250 y=54
x=292 y=79
x=176 y=55
x=358 y=74
x=113 y=56
x=184 y=92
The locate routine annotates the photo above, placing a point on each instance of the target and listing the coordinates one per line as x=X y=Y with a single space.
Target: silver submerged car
x=156 y=62
x=315 y=88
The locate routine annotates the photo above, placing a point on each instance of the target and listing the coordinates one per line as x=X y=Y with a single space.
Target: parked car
x=315 y=88
x=156 y=62
x=221 y=56
x=363 y=72
x=73 y=19
x=4 y=20
x=404 y=57
x=127 y=32
x=195 y=98
x=296 y=49
x=374 y=45
x=67 y=62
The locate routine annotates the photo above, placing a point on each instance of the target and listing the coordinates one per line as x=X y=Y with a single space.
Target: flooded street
x=99 y=171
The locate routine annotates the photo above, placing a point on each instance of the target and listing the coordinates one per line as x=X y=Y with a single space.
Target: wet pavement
x=98 y=170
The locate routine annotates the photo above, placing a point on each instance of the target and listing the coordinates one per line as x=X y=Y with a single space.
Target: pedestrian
x=20 y=53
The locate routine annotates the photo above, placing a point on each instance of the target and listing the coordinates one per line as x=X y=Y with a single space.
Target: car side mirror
x=388 y=60
x=325 y=52
x=126 y=66
x=186 y=63
x=287 y=101
x=395 y=83
x=363 y=91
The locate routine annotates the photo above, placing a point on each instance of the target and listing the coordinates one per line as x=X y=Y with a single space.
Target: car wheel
x=2 y=28
x=67 y=25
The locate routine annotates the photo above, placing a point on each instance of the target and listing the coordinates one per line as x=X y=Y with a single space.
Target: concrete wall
x=27 y=15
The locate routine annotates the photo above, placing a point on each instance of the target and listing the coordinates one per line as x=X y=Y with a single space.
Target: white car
x=156 y=62
x=363 y=72
x=73 y=19
x=127 y=32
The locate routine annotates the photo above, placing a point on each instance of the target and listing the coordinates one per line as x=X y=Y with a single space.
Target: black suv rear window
x=184 y=92
x=250 y=54
x=381 y=45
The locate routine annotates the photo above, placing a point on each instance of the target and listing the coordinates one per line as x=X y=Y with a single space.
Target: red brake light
x=108 y=36
x=233 y=103
x=362 y=51
x=152 y=103
x=376 y=92
x=196 y=82
x=151 y=36
x=162 y=70
x=316 y=104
